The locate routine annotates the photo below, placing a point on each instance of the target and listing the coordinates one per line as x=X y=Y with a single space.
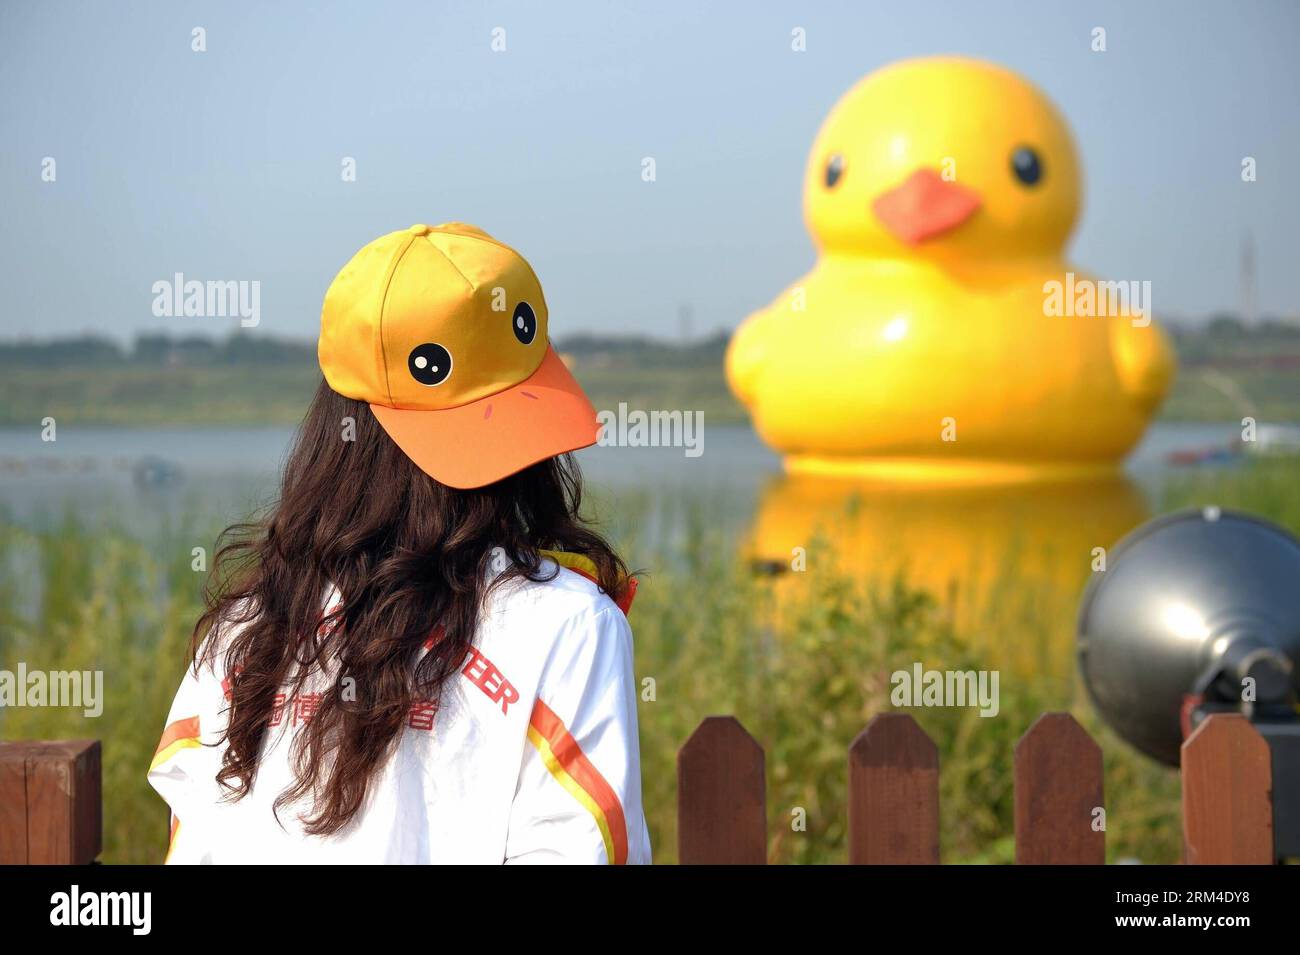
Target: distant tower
x=1249 y=316
x=686 y=321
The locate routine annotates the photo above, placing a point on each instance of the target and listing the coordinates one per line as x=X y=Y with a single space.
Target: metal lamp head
x=1189 y=606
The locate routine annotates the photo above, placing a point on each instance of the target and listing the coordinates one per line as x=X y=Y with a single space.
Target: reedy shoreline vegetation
x=81 y=591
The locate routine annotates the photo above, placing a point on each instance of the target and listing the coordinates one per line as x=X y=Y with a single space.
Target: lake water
x=139 y=475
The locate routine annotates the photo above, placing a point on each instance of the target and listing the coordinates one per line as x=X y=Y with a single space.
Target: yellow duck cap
x=443 y=331
x=943 y=157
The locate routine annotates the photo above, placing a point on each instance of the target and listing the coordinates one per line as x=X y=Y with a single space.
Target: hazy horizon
x=698 y=337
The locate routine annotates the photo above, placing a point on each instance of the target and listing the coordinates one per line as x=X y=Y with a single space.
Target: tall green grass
x=83 y=595
x=804 y=670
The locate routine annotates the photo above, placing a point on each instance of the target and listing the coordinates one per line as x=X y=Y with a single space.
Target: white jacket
x=531 y=757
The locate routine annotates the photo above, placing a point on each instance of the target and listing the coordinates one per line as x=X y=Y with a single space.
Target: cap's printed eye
x=430 y=363
x=1026 y=165
x=834 y=170
x=524 y=323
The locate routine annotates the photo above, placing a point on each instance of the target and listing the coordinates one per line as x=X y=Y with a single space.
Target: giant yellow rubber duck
x=940 y=193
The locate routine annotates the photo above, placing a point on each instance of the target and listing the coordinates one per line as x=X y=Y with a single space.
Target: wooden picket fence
x=893 y=794
x=50 y=806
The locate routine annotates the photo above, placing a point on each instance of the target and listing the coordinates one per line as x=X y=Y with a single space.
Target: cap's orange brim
x=492 y=438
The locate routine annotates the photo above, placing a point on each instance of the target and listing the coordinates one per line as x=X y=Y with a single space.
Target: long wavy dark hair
x=409 y=557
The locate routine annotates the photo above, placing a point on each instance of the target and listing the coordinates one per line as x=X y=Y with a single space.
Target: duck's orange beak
x=924 y=205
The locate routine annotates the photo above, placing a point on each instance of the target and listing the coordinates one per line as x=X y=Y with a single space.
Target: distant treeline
x=1226 y=370
x=1226 y=337
x=157 y=350
x=646 y=352
x=1220 y=337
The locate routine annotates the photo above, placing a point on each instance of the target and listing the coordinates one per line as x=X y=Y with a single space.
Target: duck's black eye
x=834 y=170
x=524 y=323
x=1026 y=165
x=430 y=363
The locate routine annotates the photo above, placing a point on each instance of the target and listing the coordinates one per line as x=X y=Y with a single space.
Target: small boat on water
x=155 y=472
x=1191 y=457
x=1268 y=440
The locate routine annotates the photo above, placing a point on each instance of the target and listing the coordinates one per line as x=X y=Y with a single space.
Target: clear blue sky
x=225 y=164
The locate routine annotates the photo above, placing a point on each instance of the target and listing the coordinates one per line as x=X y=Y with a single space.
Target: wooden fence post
x=893 y=794
x=721 y=796
x=1227 y=794
x=1058 y=790
x=51 y=810
x=13 y=805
